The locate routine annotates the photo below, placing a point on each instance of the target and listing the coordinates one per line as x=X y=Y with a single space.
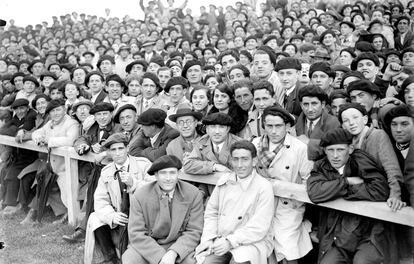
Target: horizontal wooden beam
x=378 y=210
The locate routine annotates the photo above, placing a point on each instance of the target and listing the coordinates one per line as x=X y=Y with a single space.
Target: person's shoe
x=62 y=220
x=12 y=210
x=77 y=237
x=30 y=218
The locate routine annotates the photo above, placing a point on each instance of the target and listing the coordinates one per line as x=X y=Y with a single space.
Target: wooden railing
x=378 y=210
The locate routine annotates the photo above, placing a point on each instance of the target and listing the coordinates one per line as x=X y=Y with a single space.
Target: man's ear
x=351 y=149
x=255 y=161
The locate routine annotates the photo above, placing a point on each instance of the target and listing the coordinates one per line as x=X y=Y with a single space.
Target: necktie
x=259 y=121
x=310 y=129
x=146 y=104
x=285 y=100
x=217 y=149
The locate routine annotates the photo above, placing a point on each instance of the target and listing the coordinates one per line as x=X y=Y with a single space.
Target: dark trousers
x=26 y=193
x=366 y=253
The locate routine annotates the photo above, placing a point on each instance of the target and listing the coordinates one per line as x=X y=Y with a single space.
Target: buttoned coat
x=108 y=198
x=148 y=238
x=202 y=158
x=243 y=215
x=291 y=164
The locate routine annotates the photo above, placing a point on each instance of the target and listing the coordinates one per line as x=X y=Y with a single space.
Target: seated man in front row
x=353 y=175
x=239 y=213
x=119 y=179
x=166 y=218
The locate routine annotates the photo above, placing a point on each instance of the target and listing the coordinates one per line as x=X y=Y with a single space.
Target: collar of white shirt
x=154 y=138
x=124 y=166
x=220 y=146
x=314 y=122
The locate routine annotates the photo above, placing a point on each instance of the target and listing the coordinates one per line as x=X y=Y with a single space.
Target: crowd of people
x=301 y=91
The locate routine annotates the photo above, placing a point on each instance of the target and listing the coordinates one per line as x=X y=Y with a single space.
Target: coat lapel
x=179 y=211
x=113 y=187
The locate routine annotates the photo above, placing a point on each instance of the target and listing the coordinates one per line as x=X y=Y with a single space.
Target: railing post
x=71 y=174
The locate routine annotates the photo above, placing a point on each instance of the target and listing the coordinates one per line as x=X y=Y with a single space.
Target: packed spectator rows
x=308 y=92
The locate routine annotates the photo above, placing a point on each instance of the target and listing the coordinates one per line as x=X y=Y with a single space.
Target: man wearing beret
x=211 y=152
x=150 y=93
x=138 y=67
x=284 y=157
x=153 y=138
x=322 y=76
x=193 y=73
x=23 y=120
x=60 y=131
x=106 y=65
x=186 y=122
x=239 y=213
x=116 y=87
x=288 y=70
x=177 y=88
x=118 y=181
x=166 y=218
x=30 y=84
x=126 y=116
x=315 y=120
x=352 y=175
x=95 y=82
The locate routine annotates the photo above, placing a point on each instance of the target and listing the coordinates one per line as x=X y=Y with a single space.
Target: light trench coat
x=108 y=198
x=61 y=135
x=292 y=239
x=243 y=215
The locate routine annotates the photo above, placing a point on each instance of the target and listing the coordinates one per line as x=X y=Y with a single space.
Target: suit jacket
x=92 y=135
x=292 y=102
x=408 y=41
x=202 y=158
x=179 y=147
x=150 y=218
x=326 y=123
x=101 y=97
x=156 y=102
x=140 y=145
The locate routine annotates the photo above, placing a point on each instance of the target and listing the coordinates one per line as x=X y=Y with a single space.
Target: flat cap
x=115 y=138
x=152 y=116
x=323 y=67
x=102 y=106
x=363 y=85
x=185 y=112
x=19 y=102
x=178 y=80
x=336 y=136
x=81 y=102
x=281 y=112
x=401 y=110
x=288 y=63
x=121 y=109
x=54 y=104
x=164 y=162
x=218 y=119
x=39 y=96
x=29 y=78
x=347 y=106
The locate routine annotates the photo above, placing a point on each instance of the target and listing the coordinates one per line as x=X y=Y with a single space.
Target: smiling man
x=239 y=213
x=176 y=87
x=150 y=93
x=173 y=212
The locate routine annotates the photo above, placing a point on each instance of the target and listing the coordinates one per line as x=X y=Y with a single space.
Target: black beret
x=88 y=76
x=6 y=77
x=19 y=102
x=364 y=46
x=29 y=68
x=409 y=49
x=326 y=32
x=401 y=110
x=115 y=78
x=218 y=119
x=17 y=74
x=154 y=78
x=122 y=108
x=115 y=138
x=152 y=116
x=47 y=98
x=288 y=63
x=338 y=93
x=67 y=66
x=269 y=38
x=185 y=112
x=168 y=44
x=401 y=18
x=270 y=52
x=350 y=51
x=104 y=58
x=341 y=68
x=323 y=67
x=31 y=79
x=278 y=111
x=178 y=80
x=81 y=102
x=88 y=53
x=249 y=38
x=164 y=162
x=313 y=91
x=54 y=104
x=393 y=52
x=350 y=24
x=365 y=56
x=48 y=74
x=188 y=65
x=363 y=85
x=347 y=106
x=102 y=106
x=157 y=60
x=174 y=62
x=144 y=64
x=336 y=136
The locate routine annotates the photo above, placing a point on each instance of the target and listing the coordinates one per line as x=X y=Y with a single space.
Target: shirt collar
x=125 y=165
x=154 y=138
